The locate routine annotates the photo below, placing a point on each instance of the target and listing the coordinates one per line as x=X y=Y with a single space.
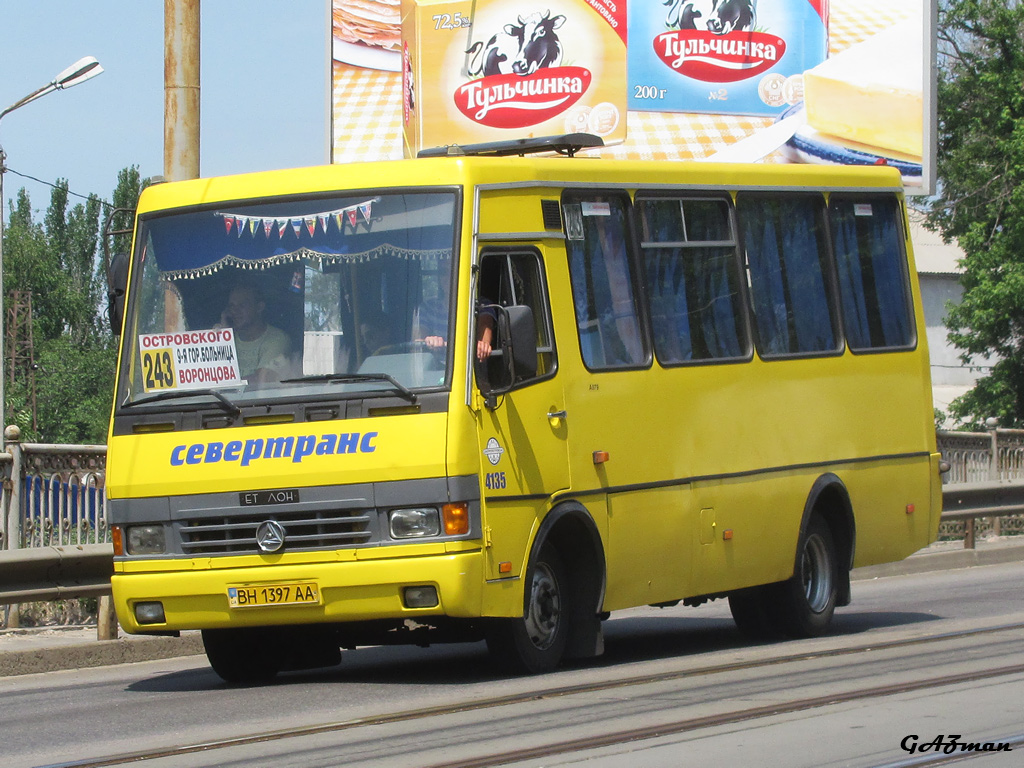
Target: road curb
x=924 y=562
x=99 y=653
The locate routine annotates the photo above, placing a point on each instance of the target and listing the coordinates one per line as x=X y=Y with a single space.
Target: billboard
x=780 y=81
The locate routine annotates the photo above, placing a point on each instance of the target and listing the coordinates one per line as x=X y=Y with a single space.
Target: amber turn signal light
x=455 y=518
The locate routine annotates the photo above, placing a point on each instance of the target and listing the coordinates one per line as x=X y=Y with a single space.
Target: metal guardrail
x=969 y=501
x=978 y=460
x=978 y=457
x=55 y=573
x=54 y=537
x=53 y=495
x=52 y=510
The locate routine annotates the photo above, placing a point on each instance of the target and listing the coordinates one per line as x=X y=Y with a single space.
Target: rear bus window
x=870 y=260
x=693 y=279
x=787 y=257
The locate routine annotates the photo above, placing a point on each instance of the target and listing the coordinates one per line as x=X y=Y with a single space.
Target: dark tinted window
x=787 y=255
x=867 y=241
x=602 y=281
x=693 y=279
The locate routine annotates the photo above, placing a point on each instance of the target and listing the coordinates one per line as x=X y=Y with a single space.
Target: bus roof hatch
x=566 y=144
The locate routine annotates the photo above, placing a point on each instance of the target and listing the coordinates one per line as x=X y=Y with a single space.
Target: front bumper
x=195 y=595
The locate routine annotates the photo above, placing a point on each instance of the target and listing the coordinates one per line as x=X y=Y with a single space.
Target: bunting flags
x=385 y=250
x=239 y=224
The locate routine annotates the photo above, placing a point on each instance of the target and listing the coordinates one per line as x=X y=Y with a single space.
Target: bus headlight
x=414 y=523
x=146 y=540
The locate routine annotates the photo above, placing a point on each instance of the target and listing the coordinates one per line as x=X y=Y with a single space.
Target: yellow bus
x=488 y=394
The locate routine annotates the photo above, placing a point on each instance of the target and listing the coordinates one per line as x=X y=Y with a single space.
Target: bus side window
x=693 y=279
x=515 y=279
x=873 y=286
x=790 y=282
x=603 y=281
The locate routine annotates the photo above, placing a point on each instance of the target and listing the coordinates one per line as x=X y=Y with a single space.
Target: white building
x=939 y=274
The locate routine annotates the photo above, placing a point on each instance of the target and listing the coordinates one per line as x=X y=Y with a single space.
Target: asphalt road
x=833 y=701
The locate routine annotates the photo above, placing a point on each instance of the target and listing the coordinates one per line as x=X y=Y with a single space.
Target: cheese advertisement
x=824 y=82
x=486 y=70
x=724 y=56
x=869 y=100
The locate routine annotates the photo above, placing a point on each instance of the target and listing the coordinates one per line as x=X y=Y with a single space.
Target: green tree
x=72 y=239
x=59 y=263
x=981 y=200
x=118 y=221
x=26 y=267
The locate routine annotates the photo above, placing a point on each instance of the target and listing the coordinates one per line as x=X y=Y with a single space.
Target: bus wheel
x=244 y=656
x=750 y=611
x=536 y=642
x=807 y=601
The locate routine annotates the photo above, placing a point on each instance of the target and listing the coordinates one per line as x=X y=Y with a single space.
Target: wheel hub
x=816 y=573
x=544 y=608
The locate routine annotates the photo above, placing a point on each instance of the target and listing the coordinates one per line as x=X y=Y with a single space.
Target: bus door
x=522 y=429
x=627 y=437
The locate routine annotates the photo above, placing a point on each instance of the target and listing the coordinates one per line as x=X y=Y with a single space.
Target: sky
x=263 y=90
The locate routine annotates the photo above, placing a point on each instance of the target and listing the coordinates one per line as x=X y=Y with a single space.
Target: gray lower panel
x=315 y=518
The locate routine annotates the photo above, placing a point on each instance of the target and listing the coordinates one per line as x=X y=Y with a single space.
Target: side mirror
x=117 y=232
x=518 y=334
x=117 y=286
x=515 y=352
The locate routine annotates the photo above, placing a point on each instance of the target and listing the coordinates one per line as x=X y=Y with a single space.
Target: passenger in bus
x=262 y=348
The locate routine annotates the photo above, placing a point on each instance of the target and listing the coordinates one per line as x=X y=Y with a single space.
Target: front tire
x=807 y=601
x=244 y=656
x=535 y=642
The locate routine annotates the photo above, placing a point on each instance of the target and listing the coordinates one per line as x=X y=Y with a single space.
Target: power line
x=103 y=202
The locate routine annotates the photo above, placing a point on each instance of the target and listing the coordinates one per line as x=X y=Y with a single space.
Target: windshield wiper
x=352 y=378
x=222 y=402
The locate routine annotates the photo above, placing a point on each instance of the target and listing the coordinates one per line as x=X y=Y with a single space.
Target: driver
x=262 y=348
x=484 y=335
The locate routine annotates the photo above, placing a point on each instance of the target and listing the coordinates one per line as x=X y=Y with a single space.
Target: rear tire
x=244 y=656
x=751 y=610
x=535 y=642
x=807 y=601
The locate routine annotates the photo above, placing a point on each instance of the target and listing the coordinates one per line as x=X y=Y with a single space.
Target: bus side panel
x=649 y=545
x=752 y=438
x=892 y=509
x=510 y=528
x=748 y=530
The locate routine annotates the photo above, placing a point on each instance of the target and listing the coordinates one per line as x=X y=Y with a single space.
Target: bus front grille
x=303 y=530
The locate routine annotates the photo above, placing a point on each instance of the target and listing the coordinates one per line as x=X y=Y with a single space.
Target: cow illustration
x=520 y=48
x=717 y=16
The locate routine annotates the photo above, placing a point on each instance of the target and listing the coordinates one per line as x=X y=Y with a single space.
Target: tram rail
x=625 y=735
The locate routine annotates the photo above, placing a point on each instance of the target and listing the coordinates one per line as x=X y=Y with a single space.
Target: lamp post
x=79 y=72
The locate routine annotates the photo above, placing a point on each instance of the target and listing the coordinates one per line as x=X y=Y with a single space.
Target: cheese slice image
x=872 y=93
x=808 y=145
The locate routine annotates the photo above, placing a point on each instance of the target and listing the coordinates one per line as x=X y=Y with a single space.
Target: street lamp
x=79 y=72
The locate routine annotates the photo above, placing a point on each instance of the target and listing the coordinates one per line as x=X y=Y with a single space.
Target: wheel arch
x=571 y=529
x=830 y=499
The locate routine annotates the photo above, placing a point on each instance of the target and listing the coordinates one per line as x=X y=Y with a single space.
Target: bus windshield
x=291 y=298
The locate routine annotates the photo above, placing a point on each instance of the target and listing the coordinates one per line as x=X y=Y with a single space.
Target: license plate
x=302 y=593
